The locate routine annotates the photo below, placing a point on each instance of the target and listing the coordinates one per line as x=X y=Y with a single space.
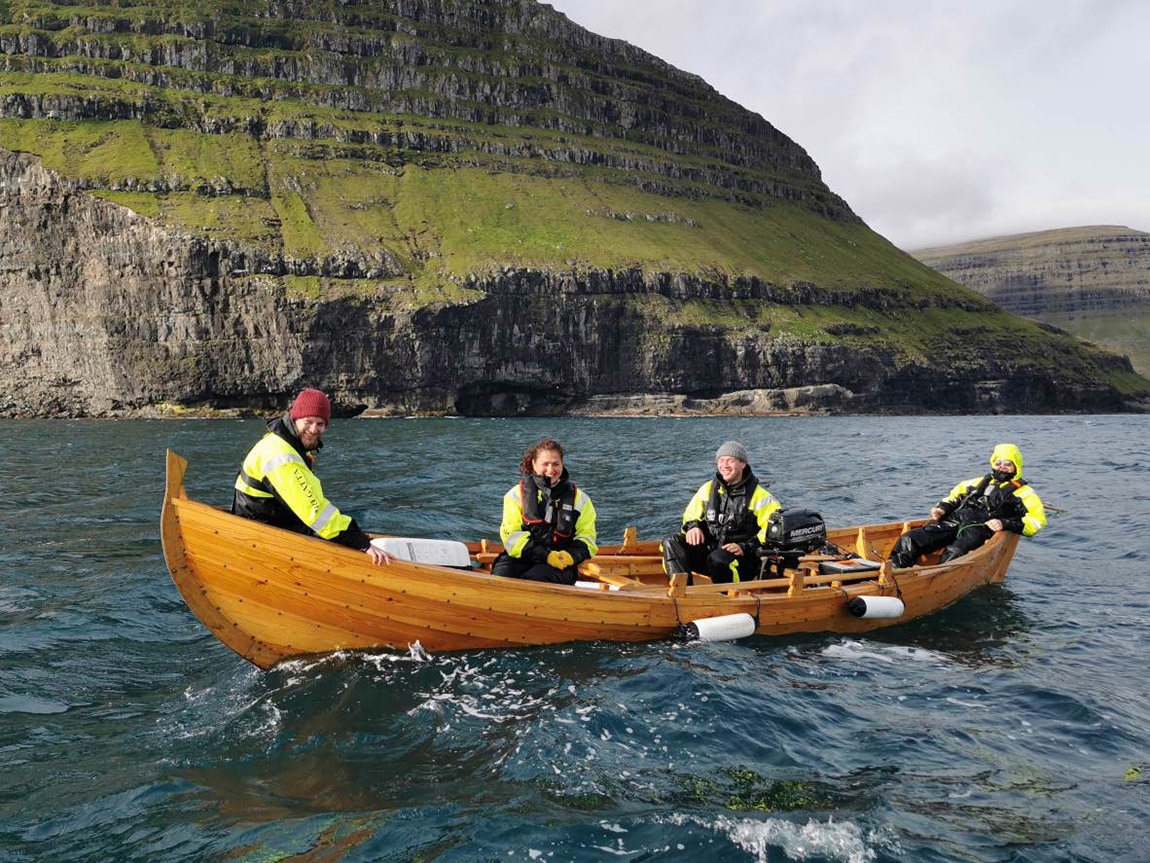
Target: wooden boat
x=271 y=594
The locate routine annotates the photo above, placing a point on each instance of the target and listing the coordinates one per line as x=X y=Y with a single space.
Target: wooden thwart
x=620 y=560
x=589 y=569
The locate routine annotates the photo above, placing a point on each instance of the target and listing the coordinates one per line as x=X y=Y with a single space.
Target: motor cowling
x=792 y=532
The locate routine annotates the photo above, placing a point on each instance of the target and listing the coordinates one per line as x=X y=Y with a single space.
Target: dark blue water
x=1011 y=726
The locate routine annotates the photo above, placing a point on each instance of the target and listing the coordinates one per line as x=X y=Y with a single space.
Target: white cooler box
x=438 y=552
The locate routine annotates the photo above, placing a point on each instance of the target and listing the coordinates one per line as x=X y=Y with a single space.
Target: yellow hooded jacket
x=1034 y=519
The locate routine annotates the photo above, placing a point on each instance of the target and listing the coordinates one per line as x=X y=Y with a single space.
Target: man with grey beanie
x=725 y=523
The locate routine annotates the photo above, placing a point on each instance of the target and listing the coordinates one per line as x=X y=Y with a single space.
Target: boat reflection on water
x=358 y=731
x=986 y=627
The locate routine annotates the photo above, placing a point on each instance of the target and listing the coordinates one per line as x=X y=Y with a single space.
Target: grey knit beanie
x=734 y=449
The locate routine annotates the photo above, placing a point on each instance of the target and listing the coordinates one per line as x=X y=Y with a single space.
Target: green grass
x=205 y=159
x=395 y=295
x=302 y=287
x=1125 y=333
x=229 y=217
x=112 y=151
x=145 y=203
x=108 y=152
x=301 y=236
x=449 y=216
x=1038 y=239
x=485 y=221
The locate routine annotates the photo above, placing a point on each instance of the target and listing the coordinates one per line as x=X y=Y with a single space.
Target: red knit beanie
x=311 y=403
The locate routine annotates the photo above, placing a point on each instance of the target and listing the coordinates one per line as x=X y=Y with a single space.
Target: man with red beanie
x=276 y=484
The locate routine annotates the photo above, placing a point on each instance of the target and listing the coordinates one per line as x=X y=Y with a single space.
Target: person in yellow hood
x=975 y=510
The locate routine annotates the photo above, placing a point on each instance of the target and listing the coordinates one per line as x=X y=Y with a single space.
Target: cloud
x=938 y=121
x=927 y=200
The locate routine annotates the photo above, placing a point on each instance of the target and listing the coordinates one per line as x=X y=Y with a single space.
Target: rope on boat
x=897 y=589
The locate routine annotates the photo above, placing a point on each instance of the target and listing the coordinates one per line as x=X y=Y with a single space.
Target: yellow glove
x=560 y=559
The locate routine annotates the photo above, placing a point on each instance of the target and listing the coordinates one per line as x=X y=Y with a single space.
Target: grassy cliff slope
x=402 y=159
x=1093 y=281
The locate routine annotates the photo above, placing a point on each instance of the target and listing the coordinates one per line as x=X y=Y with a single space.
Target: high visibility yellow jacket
x=559 y=518
x=1012 y=501
x=276 y=485
x=732 y=513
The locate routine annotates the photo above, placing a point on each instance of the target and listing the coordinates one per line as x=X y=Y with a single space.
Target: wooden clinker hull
x=271 y=594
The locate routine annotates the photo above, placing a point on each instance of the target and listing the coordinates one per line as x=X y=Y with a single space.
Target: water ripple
x=1005 y=727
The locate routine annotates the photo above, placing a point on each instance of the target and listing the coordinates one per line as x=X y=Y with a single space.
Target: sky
x=938 y=122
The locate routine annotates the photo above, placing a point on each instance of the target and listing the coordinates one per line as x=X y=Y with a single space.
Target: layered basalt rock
x=1060 y=272
x=1093 y=281
x=107 y=313
x=440 y=206
x=510 y=63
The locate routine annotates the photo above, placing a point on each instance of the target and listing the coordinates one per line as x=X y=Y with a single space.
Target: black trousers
x=710 y=559
x=510 y=567
x=956 y=537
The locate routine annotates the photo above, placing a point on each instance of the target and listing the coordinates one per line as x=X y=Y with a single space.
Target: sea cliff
x=447 y=206
x=1093 y=281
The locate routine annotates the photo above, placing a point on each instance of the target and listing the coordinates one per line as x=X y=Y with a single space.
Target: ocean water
x=1013 y=726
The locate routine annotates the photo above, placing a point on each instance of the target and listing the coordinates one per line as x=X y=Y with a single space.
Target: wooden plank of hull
x=822 y=609
x=334 y=603
x=187 y=579
x=270 y=594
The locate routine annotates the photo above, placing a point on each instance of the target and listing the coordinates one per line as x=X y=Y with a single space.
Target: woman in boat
x=975 y=510
x=548 y=526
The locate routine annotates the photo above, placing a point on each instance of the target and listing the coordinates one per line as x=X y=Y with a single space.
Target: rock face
x=105 y=312
x=440 y=206
x=1093 y=281
x=489 y=65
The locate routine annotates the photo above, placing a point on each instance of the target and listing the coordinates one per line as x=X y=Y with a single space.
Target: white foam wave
x=482 y=691
x=618 y=852
x=208 y=710
x=964 y=703
x=842 y=841
x=889 y=653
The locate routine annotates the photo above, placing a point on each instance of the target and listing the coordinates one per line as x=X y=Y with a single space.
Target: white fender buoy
x=873 y=607
x=727 y=627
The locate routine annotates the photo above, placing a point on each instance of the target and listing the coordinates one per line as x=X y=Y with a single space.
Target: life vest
x=734 y=522
x=989 y=499
x=547 y=517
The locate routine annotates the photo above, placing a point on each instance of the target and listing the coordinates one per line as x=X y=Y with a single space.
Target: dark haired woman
x=548 y=524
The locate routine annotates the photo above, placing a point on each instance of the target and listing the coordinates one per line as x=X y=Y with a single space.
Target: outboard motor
x=791 y=533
